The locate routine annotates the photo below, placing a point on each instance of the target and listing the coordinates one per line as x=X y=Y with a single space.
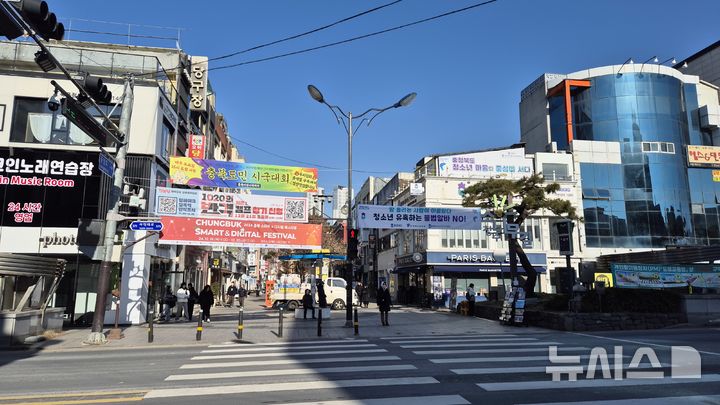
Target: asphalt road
x=500 y=368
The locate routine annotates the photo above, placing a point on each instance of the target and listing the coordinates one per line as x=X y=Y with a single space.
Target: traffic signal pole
x=349 y=269
x=97 y=336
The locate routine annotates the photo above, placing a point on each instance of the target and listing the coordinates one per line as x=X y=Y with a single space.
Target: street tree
x=526 y=196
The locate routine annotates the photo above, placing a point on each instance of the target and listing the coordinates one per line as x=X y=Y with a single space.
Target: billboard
x=232 y=232
x=632 y=275
x=399 y=217
x=220 y=173
x=209 y=204
x=506 y=163
x=196 y=146
x=703 y=156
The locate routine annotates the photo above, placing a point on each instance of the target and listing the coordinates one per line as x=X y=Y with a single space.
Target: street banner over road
x=506 y=164
x=179 y=202
x=232 y=232
x=637 y=275
x=219 y=173
x=399 y=217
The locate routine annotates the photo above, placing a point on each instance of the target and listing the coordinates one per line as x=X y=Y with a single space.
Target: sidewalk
x=261 y=326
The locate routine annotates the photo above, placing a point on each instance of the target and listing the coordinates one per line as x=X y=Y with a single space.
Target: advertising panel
x=631 y=275
x=507 y=163
x=219 y=173
x=196 y=146
x=399 y=217
x=208 y=204
x=232 y=232
x=703 y=156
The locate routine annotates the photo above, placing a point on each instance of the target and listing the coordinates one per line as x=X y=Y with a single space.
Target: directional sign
x=106 y=164
x=146 y=226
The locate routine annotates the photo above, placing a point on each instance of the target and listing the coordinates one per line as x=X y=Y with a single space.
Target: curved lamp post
x=318 y=96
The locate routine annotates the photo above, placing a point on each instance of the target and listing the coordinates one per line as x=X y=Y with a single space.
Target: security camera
x=53 y=102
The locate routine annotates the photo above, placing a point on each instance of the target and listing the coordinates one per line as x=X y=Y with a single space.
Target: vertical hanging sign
x=196 y=147
x=198 y=83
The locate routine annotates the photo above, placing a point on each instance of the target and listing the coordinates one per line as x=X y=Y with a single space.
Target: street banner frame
x=220 y=173
x=638 y=275
x=404 y=217
x=178 y=202
x=232 y=232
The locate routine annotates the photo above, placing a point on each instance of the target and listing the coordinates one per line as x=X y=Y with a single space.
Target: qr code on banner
x=167 y=205
x=295 y=209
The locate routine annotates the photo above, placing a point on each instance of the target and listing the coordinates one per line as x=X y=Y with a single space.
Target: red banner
x=230 y=232
x=196 y=146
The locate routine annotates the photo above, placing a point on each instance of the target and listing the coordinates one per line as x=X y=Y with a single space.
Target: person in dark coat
x=207 y=299
x=308 y=304
x=322 y=298
x=192 y=300
x=384 y=303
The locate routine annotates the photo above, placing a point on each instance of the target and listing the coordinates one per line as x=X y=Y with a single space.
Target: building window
x=166 y=140
x=658 y=147
x=468 y=239
x=555 y=171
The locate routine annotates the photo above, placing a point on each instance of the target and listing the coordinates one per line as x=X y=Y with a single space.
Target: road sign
x=76 y=113
x=106 y=164
x=146 y=226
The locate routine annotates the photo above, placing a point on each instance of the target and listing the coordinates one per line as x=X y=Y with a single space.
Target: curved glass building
x=642 y=140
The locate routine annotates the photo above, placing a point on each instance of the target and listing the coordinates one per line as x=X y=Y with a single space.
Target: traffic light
x=37 y=14
x=565 y=240
x=97 y=90
x=8 y=28
x=352 y=250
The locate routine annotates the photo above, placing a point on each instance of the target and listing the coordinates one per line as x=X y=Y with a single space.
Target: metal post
x=567 y=262
x=150 y=325
x=198 y=334
x=356 y=323
x=349 y=269
x=280 y=321
x=319 y=321
x=96 y=335
x=240 y=324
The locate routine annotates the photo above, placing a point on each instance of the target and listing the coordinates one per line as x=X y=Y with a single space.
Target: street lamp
x=317 y=96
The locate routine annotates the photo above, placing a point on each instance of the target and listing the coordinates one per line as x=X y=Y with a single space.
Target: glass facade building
x=650 y=197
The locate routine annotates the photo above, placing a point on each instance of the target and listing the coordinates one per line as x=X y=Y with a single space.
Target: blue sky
x=468 y=69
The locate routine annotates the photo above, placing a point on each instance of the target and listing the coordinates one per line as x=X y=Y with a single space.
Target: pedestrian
x=365 y=297
x=359 y=288
x=307 y=302
x=206 y=300
x=322 y=298
x=182 y=295
x=384 y=303
x=242 y=293
x=192 y=300
x=169 y=299
x=231 y=292
x=470 y=296
x=257 y=289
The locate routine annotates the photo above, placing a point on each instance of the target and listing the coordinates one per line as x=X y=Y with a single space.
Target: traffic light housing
x=352 y=240
x=8 y=28
x=37 y=14
x=97 y=90
x=565 y=240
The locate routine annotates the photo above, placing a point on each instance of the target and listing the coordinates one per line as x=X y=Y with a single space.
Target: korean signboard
x=232 y=232
x=198 y=83
x=207 y=204
x=703 y=156
x=219 y=173
x=399 y=217
x=631 y=275
x=507 y=163
x=196 y=146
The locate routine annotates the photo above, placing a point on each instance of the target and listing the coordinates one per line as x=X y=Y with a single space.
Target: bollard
x=356 y=323
x=198 y=335
x=150 y=326
x=319 y=321
x=280 y=321
x=240 y=324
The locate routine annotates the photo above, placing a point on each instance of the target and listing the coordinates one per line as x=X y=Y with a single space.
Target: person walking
x=207 y=299
x=384 y=303
x=307 y=302
x=470 y=296
x=231 y=292
x=182 y=302
x=168 y=301
x=242 y=293
x=192 y=300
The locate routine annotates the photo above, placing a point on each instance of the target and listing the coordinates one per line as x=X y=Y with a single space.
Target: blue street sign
x=146 y=226
x=106 y=164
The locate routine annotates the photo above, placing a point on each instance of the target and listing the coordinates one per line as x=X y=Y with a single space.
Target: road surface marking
x=462 y=340
x=71 y=394
x=496 y=359
x=434 y=399
x=636 y=342
x=289 y=361
x=482 y=344
x=594 y=383
x=529 y=349
x=259 y=349
x=83 y=401
x=283 y=354
x=531 y=369
x=287 y=386
x=470 y=335
x=299 y=342
x=696 y=399
x=288 y=371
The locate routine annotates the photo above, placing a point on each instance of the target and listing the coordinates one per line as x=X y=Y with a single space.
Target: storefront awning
x=482 y=269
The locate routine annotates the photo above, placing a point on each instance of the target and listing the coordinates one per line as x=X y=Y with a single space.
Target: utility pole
x=97 y=336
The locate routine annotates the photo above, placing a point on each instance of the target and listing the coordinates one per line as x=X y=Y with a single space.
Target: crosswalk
x=442 y=369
